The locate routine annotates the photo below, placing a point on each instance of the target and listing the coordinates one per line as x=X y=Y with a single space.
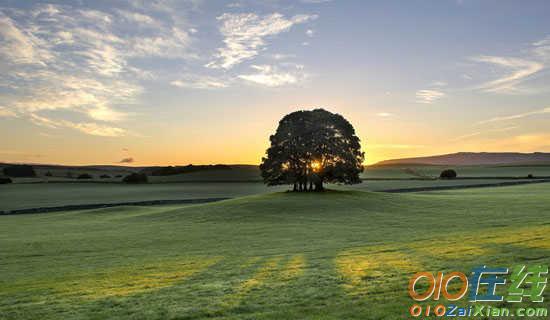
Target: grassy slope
x=412 y=171
x=36 y=195
x=20 y=196
x=276 y=256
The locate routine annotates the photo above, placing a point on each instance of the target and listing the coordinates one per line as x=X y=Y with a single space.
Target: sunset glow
x=206 y=82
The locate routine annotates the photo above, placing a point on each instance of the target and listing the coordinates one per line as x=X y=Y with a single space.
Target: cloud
x=20 y=47
x=429 y=96
x=541 y=49
x=126 y=160
x=478 y=133
x=200 y=82
x=81 y=60
x=384 y=114
x=85 y=127
x=518 y=70
x=315 y=1
x=310 y=33
x=516 y=116
x=7 y=113
x=136 y=17
x=245 y=35
x=273 y=76
x=395 y=146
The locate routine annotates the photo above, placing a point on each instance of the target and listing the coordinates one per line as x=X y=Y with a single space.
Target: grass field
x=37 y=195
x=337 y=255
x=433 y=171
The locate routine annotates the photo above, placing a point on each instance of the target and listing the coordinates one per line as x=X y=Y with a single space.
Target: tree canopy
x=310 y=148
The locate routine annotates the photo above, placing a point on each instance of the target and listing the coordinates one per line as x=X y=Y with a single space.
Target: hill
x=337 y=255
x=211 y=173
x=474 y=158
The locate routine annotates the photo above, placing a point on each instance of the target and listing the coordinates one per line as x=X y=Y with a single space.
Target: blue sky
x=176 y=82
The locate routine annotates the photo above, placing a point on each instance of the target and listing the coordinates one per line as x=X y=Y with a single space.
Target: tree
x=84 y=176
x=5 y=180
x=19 y=171
x=310 y=148
x=135 y=178
x=448 y=174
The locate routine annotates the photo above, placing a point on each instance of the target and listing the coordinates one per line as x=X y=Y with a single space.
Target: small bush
x=48 y=174
x=118 y=176
x=448 y=174
x=5 y=180
x=530 y=176
x=135 y=178
x=19 y=171
x=105 y=176
x=84 y=176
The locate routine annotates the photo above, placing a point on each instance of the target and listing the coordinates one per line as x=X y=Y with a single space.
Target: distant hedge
x=172 y=170
x=448 y=174
x=19 y=171
x=104 y=176
x=84 y=176
x=5 y=180
x=135 y=178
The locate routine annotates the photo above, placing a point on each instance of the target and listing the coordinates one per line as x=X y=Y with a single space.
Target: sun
x=315 y=166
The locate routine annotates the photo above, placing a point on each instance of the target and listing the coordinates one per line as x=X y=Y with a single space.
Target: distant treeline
x=172 y=170
x=19 y=171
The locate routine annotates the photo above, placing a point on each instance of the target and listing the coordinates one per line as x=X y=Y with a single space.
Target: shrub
x=135 y=178
x=19 y=171
x=5 y=180
x=48 y=174
x=118 y=176
x=448 y=174
x=84 y=176
x=530 y=176
x=104 y=176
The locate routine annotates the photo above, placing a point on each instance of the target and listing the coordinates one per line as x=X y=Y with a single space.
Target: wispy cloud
x=274 y=76
x=90 y=128
x=516 y=116
x=384 y=114
x=429 y=95
x=200 y=82
x=518 y=70
x=479 y=133
x=127 y=160
x=541 y=49
x=21 y=47
x=60 y=57
x=395 y=146
x=7 y=113
x=245 y=35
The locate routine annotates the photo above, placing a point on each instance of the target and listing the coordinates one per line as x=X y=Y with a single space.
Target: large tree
x=311 y=148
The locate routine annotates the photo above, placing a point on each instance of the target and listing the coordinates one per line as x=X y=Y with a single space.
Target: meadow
x=39 y=195
x=343 y=254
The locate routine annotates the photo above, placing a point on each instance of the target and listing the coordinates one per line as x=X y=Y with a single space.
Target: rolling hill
x=474 y=158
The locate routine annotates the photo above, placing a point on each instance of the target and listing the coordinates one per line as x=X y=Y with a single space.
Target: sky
x=193 y=81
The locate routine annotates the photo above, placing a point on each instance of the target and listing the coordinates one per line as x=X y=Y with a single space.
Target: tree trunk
x=295 y=188
x=310 y=186
x=319 y=186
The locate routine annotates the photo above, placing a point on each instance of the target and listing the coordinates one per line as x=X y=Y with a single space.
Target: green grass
x=36 y=195
x=337 y=255
x=416 y=171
